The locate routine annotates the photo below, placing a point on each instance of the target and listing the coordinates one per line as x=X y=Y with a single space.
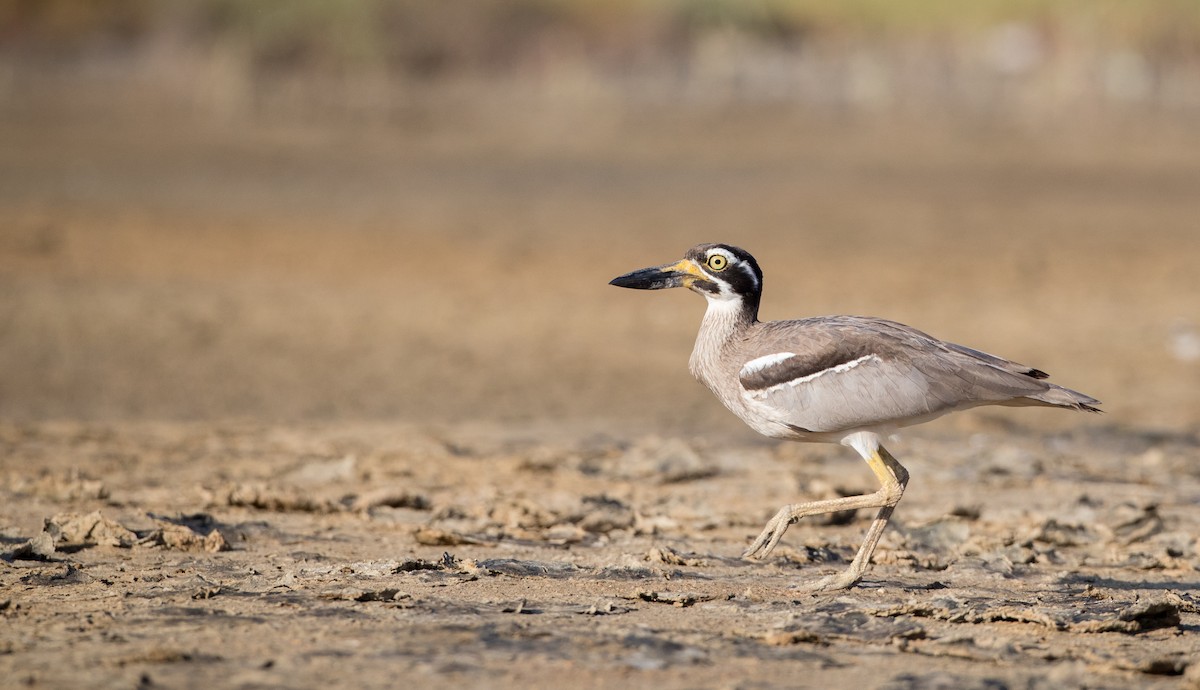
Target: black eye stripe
x=739 y=277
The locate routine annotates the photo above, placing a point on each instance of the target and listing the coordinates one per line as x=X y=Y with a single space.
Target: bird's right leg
x=790 y=514
x=893 y=479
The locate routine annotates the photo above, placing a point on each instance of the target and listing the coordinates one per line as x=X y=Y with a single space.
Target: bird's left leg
x=893 y=478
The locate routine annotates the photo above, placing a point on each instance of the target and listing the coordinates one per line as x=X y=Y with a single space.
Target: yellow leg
x=893 y=478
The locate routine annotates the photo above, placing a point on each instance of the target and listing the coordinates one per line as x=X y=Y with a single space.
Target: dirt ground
x=328 y=406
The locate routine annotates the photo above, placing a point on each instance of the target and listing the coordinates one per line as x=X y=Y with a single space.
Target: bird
x=851 y=380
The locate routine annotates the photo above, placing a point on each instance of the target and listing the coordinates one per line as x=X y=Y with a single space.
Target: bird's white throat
x=723 y=319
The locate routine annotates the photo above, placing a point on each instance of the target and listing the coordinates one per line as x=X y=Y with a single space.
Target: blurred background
x=310 y=211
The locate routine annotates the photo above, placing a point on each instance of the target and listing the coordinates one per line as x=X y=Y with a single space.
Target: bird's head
x=720 y=272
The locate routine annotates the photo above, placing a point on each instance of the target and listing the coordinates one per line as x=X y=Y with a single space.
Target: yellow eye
x=717 y=262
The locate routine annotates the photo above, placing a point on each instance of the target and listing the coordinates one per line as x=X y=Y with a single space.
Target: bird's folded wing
x=864 y=391
x=856 y=374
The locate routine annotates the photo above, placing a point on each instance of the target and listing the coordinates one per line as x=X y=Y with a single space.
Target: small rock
x=606 y=608
x=429 y=536
x=39 y=548
x=181 y=538
x=277 y=500
x=90 y=529
x=677 y=599
x=665 y=554
x=389 y=498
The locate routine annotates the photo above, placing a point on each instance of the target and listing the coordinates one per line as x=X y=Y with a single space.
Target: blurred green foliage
x=427 y=36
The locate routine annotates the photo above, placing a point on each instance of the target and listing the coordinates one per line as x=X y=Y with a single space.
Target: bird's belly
x=767 y=422
x=810 y=426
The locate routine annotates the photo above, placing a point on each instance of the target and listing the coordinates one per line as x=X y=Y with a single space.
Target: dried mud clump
x=69 y=533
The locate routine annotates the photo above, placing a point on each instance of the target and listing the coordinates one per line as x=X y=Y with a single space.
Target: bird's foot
x=771 y=534
x=831 y=583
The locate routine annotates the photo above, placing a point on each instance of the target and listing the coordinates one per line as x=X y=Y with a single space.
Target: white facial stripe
x=846 y=366
x=750 y=272
x=763 y=362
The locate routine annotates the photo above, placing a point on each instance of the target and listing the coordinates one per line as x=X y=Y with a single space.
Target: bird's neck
x=728 y=316
x=722 y=323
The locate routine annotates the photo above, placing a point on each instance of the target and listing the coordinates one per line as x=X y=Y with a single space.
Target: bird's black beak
x=659 y=277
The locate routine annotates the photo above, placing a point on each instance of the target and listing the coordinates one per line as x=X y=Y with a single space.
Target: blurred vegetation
x=388 y=59
x=428 y=37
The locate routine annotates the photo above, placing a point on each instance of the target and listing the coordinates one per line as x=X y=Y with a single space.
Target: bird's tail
x=1058 y=396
